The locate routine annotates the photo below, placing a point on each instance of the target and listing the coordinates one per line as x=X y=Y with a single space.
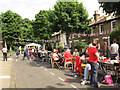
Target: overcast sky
x=28 y=8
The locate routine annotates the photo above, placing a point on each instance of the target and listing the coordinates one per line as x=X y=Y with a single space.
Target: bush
x=115 y=35
x=22 y=49
x=80 y=45
x=60 y=48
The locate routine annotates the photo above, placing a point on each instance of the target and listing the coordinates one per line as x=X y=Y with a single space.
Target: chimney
x=96 y=15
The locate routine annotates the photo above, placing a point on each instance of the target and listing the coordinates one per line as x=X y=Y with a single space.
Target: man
x=76 y=53
x=93 y=60
x=25 y=53
x=4 y=50
x=114 y=48
x=87 y=69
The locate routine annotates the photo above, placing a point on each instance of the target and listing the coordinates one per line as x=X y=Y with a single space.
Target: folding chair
x=54 y=62
x=82 y=69
x=67 y=61
x=73 y=62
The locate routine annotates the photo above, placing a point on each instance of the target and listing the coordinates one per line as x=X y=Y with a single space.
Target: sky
x=28 y=8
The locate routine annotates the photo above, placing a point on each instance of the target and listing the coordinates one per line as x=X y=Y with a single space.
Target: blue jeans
x=86 y=71
x=93 y=79
x=25 y=54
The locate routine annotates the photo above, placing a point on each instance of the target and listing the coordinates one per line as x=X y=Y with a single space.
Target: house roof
x=102 y=19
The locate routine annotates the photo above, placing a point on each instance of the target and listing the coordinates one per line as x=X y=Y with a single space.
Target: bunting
x=96 y=34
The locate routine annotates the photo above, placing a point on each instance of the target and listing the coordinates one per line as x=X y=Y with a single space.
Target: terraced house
x=101 y=27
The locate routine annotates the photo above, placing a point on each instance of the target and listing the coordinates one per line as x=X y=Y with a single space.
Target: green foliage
x=11 y=26
x=59 y=47
x=111 y=7
x=115 y=35
x=27 y=29
x=42 y=25
x=71 y=17
x=80 y=45
x=22 y=49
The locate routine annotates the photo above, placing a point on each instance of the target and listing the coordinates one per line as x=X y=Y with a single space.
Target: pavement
x=5 y=72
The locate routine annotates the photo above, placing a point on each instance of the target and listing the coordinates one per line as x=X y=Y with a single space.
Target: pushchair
x=102 y=72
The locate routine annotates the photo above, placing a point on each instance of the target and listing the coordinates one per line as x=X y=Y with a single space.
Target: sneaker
x=75 y=76
x=83 y=83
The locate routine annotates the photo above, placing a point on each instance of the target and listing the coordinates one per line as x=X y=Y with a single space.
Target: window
x=92 y=31
x=58 y=37
x=76 y=40
x=70 y=44
x=101 y=28
x=113 y=24
x=79 y=36
x=73 y=36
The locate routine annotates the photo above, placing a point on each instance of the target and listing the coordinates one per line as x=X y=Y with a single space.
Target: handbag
x=108 y=78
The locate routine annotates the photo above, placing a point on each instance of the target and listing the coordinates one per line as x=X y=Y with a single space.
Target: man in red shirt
x=93 y=59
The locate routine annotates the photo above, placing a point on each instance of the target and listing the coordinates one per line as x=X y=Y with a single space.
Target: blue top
x=26 y=50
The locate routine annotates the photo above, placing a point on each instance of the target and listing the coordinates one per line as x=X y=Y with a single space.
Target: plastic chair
x=67 y=62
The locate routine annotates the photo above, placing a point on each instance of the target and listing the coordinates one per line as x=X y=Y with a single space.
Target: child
x=17 y=53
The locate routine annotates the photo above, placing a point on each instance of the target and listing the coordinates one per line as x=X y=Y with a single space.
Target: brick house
x=100 y=29
x=102 y=26
x=59 y=39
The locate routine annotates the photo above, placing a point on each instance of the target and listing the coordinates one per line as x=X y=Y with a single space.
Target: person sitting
x=76 y=53
x=67 y=54
x=55 y=56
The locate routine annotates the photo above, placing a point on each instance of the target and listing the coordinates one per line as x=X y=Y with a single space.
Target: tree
x=27 y=29
x=11 y=26
x=71 y=17
x=111 y=7
x=42 y=25
x=80 y=45
x=115 y=35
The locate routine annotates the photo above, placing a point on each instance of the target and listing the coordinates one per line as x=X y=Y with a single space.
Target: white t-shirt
x=55 y=57
x=4 y=50
x=32 y=50
x=114 y=48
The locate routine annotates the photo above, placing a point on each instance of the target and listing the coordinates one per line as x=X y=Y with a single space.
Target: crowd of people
x=95 y=52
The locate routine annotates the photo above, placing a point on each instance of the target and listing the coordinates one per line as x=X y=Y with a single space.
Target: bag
x=108 y=78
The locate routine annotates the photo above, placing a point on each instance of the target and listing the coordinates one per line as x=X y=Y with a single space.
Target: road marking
x=46 y=69
x=52 y=73
x=41 y=67
x=4 y=76
x=73 y=86
x=60 y=78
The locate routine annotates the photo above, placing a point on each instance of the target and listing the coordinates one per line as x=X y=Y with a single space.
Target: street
x=33 y=74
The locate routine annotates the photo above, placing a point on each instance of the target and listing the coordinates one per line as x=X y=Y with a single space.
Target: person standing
x=19 y=49
x=25 y=53
x=93 y=60
x=114 y=48
x=4 y=50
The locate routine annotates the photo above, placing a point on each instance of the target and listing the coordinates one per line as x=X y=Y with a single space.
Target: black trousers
x=5 y=56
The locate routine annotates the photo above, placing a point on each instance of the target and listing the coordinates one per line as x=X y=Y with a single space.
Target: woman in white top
x=55 y=56
x=4 y=50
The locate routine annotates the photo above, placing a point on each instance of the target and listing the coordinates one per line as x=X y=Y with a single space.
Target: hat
x=68 y=50
x=55 y=50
